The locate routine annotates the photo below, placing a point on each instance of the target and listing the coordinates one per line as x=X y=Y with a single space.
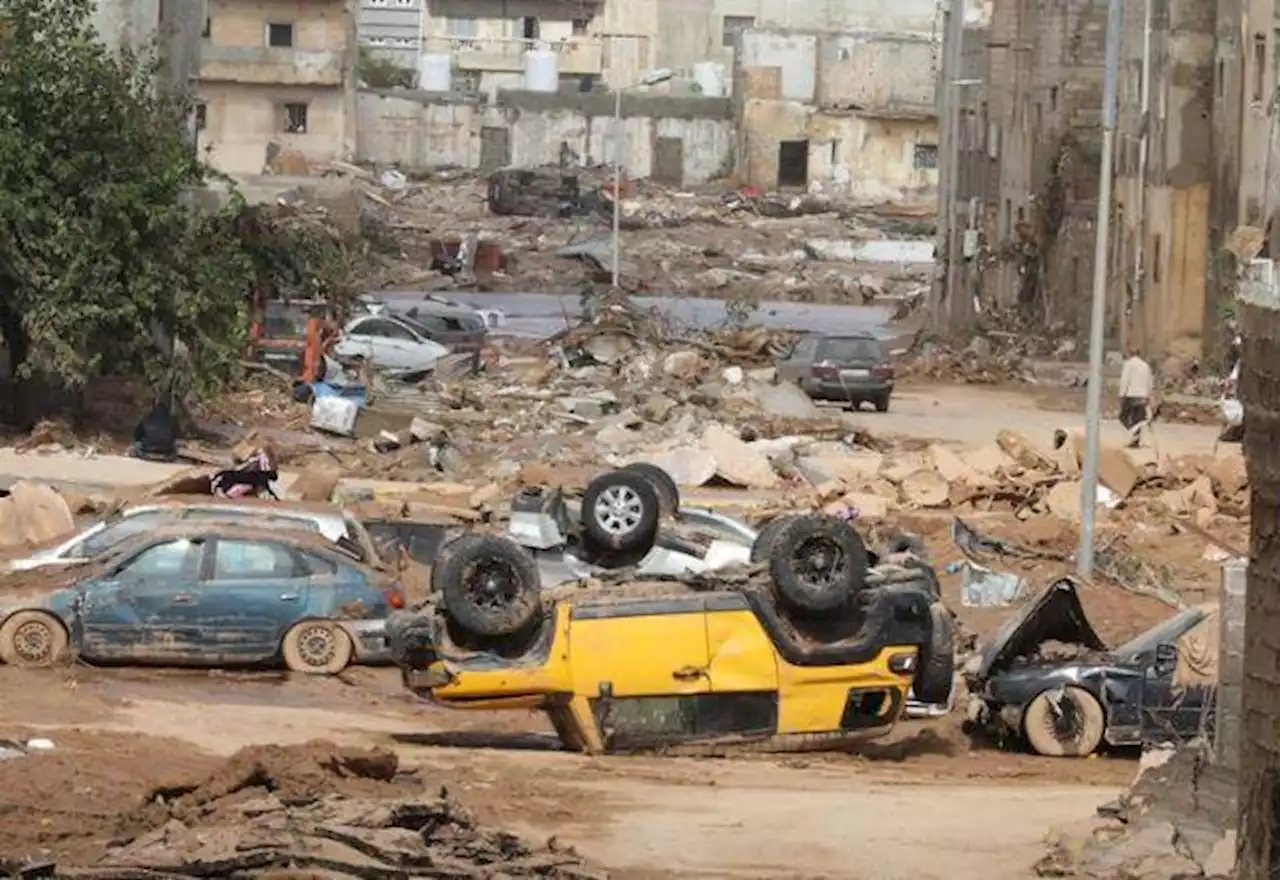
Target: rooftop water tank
x=708 y=77
x=541 y=71
x=435 y=72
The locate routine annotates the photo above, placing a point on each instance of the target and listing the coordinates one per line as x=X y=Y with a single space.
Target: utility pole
x=1098 y=317
x=948 y=120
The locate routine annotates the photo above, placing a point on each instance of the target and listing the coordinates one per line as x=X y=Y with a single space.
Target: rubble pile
x=320 y=808
x=548 y=230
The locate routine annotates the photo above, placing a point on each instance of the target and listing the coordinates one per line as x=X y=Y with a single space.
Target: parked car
x=395 y=345
x=852 y=369
x=103 y=537
x=1158 y=687
x=206 y=594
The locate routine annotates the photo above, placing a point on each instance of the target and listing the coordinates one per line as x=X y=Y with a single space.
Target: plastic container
x=335 y=415
x=435 y=72
x=708 y=79
x=541 y=71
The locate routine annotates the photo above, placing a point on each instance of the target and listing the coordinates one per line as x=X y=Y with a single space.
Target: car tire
x=33 y=639
x=663 y=484
x=490 y=585
x=936 y=674
x=316 y=647
x=882 y=403
x=620 y=511
x=817 y=563
x=762 y=548
x=1043 y=729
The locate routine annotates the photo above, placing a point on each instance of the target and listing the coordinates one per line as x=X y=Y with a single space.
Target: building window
x=580 y=26
x=202 y=116
x=926 y=156
x=528 y=28
x=1155 y=261
x=295 y=118
x=279 y=36
x=1053 y=99
x=1222 y=83
x=734 y=25
x=207 y=30
x=1259 y=67
x=462 y=27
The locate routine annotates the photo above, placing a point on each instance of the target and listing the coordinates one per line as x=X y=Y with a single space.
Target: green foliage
x=380 y=72
x=103 y=256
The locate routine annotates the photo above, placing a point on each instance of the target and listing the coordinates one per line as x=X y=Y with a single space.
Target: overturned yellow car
x=826 y=648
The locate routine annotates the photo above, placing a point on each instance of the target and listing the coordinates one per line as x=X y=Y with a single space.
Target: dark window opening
x=1259 y=67
x=1222 y=85
x=280 y=36
x=529 y=28
x=1053 y=98
x=1155 y=261
x=580 y=26
x=926 y=156
x=793 y=163
x=202 y=116
x=295 y=118
x=734 y=25
x=208 y=27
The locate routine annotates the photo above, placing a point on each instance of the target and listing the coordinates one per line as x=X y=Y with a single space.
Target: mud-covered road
x=922 y=804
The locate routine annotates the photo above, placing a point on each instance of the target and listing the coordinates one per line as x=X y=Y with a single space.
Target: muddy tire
x=662 y=482
x=316 y=647
x=881 y=403
x=817 y=563
x=620 y=511
x=936 y=675
x=33 y=638
x=1069 y=726
x=762 y=549
x=490 y=584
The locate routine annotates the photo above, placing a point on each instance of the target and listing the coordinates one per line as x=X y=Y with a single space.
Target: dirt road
x=921 y=805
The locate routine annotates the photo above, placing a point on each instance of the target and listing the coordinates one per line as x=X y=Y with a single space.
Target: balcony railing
x=265 y=65
x=577 y=54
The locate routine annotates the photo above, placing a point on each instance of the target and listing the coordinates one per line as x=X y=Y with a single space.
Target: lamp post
x=652 y=78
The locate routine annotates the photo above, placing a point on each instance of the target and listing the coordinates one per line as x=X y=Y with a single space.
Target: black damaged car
x=1066 y=700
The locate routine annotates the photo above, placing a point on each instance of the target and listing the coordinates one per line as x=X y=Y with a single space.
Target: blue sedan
x=204 y=595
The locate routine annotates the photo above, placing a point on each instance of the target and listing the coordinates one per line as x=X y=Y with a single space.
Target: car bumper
x=868 y=390
x=369 y=637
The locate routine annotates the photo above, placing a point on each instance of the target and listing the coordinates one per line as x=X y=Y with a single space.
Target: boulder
x=736 y=462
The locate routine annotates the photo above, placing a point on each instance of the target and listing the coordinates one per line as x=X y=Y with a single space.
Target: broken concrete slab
x=1063 y=500
x=952 y=468
x=1229 y=474
x=865 y=504
x=851 y=468
x=315 y=484
x=783 y=400
x=736 y=462
x=1118 y=472
x=687 y=466
x=987 y=460
x=33 y=514
x=1018 y=447
x=925 y=488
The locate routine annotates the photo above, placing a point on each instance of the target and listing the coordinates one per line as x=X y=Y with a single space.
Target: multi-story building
x=608 y=41
x=171 y=26
x=277 y=76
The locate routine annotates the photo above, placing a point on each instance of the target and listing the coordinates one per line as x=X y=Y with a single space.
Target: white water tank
x=541 y=71
x=435 y=72
x=708 y=77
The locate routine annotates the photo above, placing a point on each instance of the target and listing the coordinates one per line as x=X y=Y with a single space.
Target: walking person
x=1135 y=395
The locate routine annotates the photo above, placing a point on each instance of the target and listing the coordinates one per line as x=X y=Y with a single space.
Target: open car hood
x=1054 y=616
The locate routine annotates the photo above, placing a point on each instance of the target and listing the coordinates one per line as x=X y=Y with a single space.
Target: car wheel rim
x=493 y=584
x=317 y=646
x=33 y=642
x=619 y=510
x=818 y=561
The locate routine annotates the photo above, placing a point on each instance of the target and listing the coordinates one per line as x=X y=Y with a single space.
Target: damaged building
x=852 y=114
x=277 y=84
x=1025 y=194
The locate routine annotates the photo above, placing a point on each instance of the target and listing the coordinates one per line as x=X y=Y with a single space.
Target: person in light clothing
x=1135 y=395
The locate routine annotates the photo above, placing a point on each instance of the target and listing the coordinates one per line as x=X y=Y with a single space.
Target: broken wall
x=681 y=141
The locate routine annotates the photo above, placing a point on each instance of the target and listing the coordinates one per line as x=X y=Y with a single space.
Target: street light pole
x=617 y=184
x=1098 y=316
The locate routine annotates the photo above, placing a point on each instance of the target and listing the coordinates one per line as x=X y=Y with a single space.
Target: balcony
x=268 y=66
x=578 y=55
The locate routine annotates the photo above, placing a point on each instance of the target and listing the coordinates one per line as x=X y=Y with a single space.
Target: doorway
x=495 y=148
x=793 y=164
x=668 y=161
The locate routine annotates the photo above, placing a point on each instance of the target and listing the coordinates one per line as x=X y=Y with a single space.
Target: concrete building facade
x=852 y=114
x=276 y=76
x=171 y=26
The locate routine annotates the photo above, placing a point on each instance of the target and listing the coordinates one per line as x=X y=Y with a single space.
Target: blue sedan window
x=246 y=560
x=162 y=560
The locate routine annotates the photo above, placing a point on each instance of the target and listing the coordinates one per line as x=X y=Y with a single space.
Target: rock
x=784 y=400
x=1221 y=861
x=1229 y=475
x=1063 y=500
x=484 y=496
x=868 y=505
x=609 y=348
x=590 y=407
x=315 y=484
x=898 y=469
x=687 y=466
x=1117 y=471
x=682 y=364
x=733 y=375
x=832 y=250
x=988 y=460
x=422 y=431
x=951 y=468
x=925 y=488
x=736 y=462
x=657 y=408
x=33 y=514
x=1023 y=451
x=851 y=468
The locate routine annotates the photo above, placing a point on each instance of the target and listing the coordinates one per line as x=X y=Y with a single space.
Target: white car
x=393 y=344
x=335 y=525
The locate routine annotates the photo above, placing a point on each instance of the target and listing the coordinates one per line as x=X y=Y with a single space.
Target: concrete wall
x=863 y=102
x=173 y=26
x=420 y=130
x=1229 y=714
x=245 y=84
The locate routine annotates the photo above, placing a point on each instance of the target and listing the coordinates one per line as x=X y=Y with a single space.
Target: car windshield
x=1164 y=633
x=284 y=321
x=113 y=535
x=849 y=349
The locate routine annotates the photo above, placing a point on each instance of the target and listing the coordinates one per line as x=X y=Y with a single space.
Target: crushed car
x=1048 y=680
x=203 y=594
x=825 y=646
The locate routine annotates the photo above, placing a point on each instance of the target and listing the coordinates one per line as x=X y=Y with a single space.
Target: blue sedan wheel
x=33 y=638
x=317 y=647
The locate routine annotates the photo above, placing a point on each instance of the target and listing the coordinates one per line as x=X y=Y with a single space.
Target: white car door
x=379 y=340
